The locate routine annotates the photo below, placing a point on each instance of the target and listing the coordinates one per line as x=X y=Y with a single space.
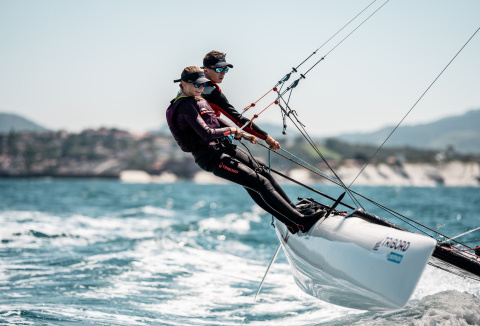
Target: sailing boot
x=310 y=220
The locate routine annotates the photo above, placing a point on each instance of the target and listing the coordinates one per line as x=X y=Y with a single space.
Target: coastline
x=453 y=174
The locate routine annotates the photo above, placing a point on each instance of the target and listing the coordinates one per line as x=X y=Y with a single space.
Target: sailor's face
x=189 y=89
x=216 y=77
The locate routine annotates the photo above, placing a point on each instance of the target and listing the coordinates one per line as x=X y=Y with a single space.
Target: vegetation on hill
x=12 y=122
x=27 y=149
x=102 y=153
x=107 y=152
x=459 y=132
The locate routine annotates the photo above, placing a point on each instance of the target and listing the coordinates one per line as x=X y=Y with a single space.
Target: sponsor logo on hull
x=394 y=257
x=392 y=243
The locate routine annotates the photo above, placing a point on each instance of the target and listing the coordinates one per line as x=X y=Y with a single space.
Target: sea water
x=93 y=252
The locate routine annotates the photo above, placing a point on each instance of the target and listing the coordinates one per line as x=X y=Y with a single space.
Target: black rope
x=414 y=105
x=291 y=114
x=307 y=137
x=414 y=224
x=340 y=183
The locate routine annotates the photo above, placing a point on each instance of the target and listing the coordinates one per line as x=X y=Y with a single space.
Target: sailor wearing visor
x=215 y=67
x=197 y=129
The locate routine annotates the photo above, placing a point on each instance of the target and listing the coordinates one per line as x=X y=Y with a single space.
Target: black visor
x=216 y=63
x=194 y=77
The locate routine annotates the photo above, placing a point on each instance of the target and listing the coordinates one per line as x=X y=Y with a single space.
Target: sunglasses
x=197 y=85
x=220 y=69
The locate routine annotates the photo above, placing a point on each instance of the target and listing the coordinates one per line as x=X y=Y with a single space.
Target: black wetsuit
x=220 y=104
x=198 y=130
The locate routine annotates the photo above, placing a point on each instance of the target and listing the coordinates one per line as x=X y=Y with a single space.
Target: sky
x=74 y=65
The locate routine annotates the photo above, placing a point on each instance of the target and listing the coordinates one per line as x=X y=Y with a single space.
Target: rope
x=294 y=70
x=254 y=103
x=307 y=166
x=338 y=44
x=295 y=83
x=312 y=144
x=414 y=105
x=289 y=112
x=256 y=115
x=466 y=251
x=302 y=76
x=414 y=224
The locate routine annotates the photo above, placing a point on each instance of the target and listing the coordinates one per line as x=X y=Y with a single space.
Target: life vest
x=187 y=138
x=182 y=137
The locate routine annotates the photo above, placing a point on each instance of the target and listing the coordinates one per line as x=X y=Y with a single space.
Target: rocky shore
x=453 y=174
x=151 y=157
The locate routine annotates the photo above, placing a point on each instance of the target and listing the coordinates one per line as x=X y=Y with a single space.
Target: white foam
x=189 y=274
x=435 y=280
x=230 y=222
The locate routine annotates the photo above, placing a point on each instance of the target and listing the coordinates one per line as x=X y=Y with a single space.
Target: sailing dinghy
x=363 y=262
x=352 y=262
x=360 y=260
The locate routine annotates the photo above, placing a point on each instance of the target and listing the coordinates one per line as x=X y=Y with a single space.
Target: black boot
x=310 y=220
x=292 y=228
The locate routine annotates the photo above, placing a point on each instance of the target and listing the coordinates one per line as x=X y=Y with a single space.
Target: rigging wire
x=287 y=76
x=414 y=224
x=353 y=31
x=414 y=105
x=307 y=165
x=351 y=192
x=302 y=76
x=295 y=69
x=307 y=137
x=288 y=113
x=466 y=251
x=291 y=114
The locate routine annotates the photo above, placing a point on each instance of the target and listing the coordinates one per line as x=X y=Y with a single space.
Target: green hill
x=9 y=122
x=462 y=132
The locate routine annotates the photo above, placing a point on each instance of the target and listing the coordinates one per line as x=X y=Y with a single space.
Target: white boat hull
x=357 y=264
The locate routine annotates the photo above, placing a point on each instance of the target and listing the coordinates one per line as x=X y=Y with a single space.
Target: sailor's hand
x=250 y=138
x=237 y=133
x=274 y=145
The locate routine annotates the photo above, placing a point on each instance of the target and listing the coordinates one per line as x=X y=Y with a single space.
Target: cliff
x=453 y=173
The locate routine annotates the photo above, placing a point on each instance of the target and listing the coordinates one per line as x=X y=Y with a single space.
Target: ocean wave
x=148 y=210
x=151 y=255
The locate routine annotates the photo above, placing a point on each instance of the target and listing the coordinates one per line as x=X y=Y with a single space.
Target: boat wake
x=444 y=308
x=178 y=262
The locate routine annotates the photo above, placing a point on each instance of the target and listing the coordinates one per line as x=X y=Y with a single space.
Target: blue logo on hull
x=396 y=258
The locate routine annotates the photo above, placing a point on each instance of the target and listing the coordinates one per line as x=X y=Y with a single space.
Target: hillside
x=9 y=122
x=461 y=132
x=275 y=130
